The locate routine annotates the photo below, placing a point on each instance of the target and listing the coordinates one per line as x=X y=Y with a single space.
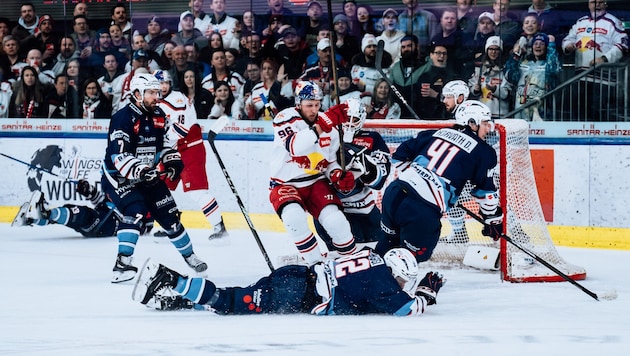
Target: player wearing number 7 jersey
x=436 y=165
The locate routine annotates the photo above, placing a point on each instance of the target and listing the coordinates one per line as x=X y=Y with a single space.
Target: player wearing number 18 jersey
x=436 y=165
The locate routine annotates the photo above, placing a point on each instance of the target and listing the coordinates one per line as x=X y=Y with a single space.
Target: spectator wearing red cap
x=45 y=39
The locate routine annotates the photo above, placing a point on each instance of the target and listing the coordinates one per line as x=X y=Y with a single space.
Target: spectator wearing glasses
x=436 y=74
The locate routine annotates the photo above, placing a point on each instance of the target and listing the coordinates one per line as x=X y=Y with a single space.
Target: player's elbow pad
x=488 y=201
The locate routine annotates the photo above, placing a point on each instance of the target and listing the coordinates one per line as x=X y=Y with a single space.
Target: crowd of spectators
x=245 y=66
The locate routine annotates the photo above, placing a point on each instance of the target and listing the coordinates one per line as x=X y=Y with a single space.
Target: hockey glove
x=333 y=117
x=173 y=164
x=430 y=286
x=86 y=189
x=493 y=224
x=342 y=181
x=150 y=176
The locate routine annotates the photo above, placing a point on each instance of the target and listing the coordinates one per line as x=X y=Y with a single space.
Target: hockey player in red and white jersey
x=304 y=164
x=184 y=134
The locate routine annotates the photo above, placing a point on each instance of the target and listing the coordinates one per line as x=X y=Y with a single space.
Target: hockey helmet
x=356 y=117
x=472 y=110
x=163 y=76
x=404 y=266
x=307 y=90
x=143 y=82
x=456 y=88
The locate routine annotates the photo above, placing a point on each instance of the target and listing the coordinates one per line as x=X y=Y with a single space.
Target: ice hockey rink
x=57 y=299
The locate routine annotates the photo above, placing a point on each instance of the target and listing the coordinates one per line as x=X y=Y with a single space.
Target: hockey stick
x=39 y=168
x=380 y=47
x=333 y=61
x=607 y=296
x=212 y=134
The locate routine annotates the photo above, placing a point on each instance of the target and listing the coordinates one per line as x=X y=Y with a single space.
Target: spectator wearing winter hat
x=489 y=83
x=45 y=39
x=157 y=35
x=345 y=44
x=473 y=47
x=391 y=35
x=533 y=74
x=364 y=73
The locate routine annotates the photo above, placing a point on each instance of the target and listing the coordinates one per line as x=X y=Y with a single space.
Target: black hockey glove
x=86 y=189
x=173 y=164
x=150 y=176
x=430 y=286
x=493 y=224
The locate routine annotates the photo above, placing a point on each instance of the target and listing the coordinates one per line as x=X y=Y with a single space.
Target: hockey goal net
x=524 y=221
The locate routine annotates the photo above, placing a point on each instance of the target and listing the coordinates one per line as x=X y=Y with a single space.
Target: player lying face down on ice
x=360 y=283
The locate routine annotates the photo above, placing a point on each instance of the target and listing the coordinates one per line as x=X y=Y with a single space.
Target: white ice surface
x=56 y=299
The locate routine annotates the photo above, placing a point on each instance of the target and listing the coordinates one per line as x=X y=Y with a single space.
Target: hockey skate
x=20 y=218
x=430 y=286
x=153 y=279
x=37 y=207
x=218 y=231
x=195 y=263
x=123 y=269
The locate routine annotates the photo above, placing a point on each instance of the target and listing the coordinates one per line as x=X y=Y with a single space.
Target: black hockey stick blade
x=534 y=256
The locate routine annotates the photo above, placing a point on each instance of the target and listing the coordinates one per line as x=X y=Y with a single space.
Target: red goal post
x=524 y=221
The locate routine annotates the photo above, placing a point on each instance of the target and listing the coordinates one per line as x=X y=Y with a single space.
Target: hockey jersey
x=362 y=283
x=135 y=141
x=361 y=199
x=593 y=38
x=299 y=157
x=180 y=117
x=443 y=161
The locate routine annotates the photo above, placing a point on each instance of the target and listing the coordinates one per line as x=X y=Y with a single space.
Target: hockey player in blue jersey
x=356 y=284
x=135 y=163
x=100 y=221
x=368 y=160
x=436 y=165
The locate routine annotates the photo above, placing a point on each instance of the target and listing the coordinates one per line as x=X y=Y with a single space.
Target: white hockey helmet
x=163 y=76
x=456 y=88
x=307 y=90
x=472 y=110
x=143 y=82
x=403 y=265
x=356 y=117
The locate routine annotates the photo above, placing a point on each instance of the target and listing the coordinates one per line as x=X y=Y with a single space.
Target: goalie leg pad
x=482 y=257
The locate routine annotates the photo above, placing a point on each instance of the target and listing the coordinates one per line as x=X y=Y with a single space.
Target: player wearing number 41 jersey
x=436 y=165
x=360 y=283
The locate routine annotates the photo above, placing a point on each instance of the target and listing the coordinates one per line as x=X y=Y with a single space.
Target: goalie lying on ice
x=360 y=283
